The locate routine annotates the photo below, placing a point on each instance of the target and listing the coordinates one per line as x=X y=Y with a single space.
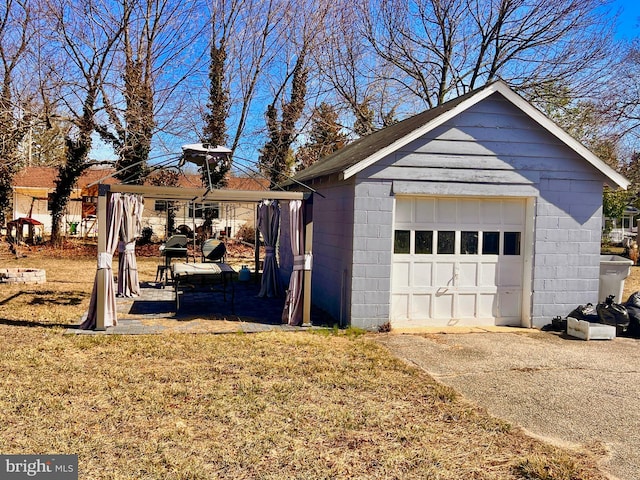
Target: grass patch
x=260 y=406
x=558 y=466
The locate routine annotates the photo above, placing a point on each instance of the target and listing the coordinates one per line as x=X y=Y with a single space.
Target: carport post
x=308 y=249
x=256 y=249
x=102 y=248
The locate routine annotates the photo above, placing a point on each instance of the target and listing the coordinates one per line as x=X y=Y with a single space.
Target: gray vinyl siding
x=333 y=219
x=491 y=149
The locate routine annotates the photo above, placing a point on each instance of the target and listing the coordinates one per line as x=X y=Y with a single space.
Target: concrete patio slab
x=565 y=390
x=154 y=312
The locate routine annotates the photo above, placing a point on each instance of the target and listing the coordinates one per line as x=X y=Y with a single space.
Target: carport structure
x=101 y=312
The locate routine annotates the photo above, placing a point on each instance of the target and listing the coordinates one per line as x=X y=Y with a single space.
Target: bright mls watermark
x=49 y=467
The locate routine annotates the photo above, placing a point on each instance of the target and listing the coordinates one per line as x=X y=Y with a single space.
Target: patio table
x=203 y=276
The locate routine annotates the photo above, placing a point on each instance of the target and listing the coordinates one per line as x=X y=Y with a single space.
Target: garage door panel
x=490 y=212
x=511 y=274
x=443 y=305
x=468 y=275
x=400 y=306
x=488 y=305
x=488 y=273
x=469 y=211
x=510 y=301
x=420 y=306
x=446 y=212
x=404 y=211
x=444 y=273
x=467 y=306
x=425 y=211
x=512 y=213
x=422 y=274
x=401 y=274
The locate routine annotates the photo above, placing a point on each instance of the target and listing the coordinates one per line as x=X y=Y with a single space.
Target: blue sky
x=627 y=28
x=628 y=23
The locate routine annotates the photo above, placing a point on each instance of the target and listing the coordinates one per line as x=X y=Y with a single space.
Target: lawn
x=275 y=405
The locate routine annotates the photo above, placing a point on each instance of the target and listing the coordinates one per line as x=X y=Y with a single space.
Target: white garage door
x=457 y=261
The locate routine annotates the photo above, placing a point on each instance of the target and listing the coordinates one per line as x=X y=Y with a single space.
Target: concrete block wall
x=372 y=244
x=567 y=247
x=333 y=215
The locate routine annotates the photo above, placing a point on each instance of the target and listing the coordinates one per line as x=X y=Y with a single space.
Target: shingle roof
x=44 y=177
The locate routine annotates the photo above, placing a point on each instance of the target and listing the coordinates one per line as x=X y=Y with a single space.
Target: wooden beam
x=204 y=195
x=308 y=250
x=102 y=248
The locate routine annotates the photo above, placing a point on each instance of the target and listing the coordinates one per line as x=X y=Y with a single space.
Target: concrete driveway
x=566 y=391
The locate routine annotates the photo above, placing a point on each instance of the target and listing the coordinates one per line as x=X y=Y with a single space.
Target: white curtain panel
x=292 y=313
x=104 y=271
x=130 y=229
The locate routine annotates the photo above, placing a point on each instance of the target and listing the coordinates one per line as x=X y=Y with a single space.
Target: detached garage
x=479 y=212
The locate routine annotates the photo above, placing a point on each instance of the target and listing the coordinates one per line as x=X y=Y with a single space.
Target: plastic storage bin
x=614 y=269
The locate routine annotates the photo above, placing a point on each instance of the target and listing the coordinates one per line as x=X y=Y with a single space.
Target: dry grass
x=268 y=406
x=632 y=283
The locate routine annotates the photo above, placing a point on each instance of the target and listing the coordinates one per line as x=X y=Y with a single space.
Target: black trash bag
x=613 y=314
x=585 y=312
x=634 y=321
x=633 y=309
x=633 y=301
x=558 y=324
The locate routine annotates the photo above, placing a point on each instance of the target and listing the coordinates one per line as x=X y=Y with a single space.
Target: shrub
x=145 y=236
x=246 y=233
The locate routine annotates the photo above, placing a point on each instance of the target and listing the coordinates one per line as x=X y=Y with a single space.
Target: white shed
x=481 y=211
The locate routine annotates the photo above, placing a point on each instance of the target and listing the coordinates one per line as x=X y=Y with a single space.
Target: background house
x=32 y=189
x=479 y=212
x=228 y=217
x=33 y=186
x=623 y=230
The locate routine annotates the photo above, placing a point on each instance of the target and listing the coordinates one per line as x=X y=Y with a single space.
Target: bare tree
x=223 y=20
x=16 y=32
x=359 y=80
x=621 y=102
x=302 y=23
x=88 y=32
x=248 y=36
x=155 y=33
x=276 y=154
x=325 y=137
x=443 y=48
